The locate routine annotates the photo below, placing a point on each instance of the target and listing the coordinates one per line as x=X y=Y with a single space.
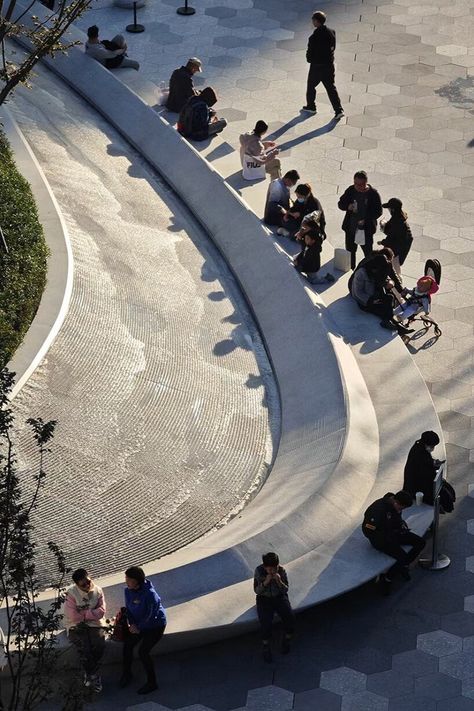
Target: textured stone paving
x=406 y=76
x=157 y=376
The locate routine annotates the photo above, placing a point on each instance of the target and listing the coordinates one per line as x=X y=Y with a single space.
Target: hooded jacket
x=144 y=608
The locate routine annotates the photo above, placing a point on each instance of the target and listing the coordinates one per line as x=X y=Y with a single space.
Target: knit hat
x=427 y=285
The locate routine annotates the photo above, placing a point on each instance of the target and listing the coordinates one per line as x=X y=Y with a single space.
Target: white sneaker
x=282 y=232
x=87 y=681
x=339 y=115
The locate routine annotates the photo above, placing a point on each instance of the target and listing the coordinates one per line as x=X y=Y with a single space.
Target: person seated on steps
x=181 y=86
x=111 y=53
x=270 y=584
x=370 y=286
x=198 y=119
x=386 y=530
x=304 y=204
x=308 y=261
x=252 y=144
x=277 y=203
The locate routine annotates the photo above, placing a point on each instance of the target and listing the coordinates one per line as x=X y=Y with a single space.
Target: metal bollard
x=185 y=10
x=135 y=27
x=438 y=561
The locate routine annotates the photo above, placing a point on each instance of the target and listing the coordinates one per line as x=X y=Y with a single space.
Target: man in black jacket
x=320 y=56
x=363 y=206
x=181 y=84
x=387 y=531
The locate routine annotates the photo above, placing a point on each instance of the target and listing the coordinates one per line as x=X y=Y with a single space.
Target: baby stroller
x=416 y=303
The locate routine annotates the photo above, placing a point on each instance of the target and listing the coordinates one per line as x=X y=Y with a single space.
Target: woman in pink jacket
x=84 y=613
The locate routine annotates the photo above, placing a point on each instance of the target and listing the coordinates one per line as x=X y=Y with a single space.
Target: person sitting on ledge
x=182 y=85
x=370 y=286
x=266 y=152
x=386 y=530
x=309 y=260
x=111 y=53
x=198 y=119
x=270 y=584
x=304 y=204
x=278 y=198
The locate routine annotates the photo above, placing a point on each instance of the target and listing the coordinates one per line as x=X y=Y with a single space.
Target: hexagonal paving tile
x=343 y=680
x=459 y=665
x=319 y=699
x=437 y=686
x=390 y=683
x=364 y=701
x=415 y=662
x=148 y=706
x=439 y=643
x=269 y=698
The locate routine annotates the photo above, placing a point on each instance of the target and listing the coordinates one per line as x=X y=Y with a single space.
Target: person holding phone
x=270 y=584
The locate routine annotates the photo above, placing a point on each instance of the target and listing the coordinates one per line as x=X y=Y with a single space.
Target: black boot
x=267 y=654
x=150 y=686
x=125 y=679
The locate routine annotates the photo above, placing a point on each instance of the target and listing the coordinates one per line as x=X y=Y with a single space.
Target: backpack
x=447 y=497
x=194 y=120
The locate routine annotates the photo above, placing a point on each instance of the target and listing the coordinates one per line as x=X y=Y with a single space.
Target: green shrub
x=23 y=269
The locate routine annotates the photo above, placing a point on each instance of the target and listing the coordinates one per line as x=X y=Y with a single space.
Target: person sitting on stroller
x=418 y=299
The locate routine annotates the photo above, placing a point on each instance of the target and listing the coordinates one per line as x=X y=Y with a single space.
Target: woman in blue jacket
x=147 y=622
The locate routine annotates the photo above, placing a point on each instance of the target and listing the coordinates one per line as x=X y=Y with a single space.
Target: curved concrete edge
x=318 y=456
x=193 y=621
x=55 y=300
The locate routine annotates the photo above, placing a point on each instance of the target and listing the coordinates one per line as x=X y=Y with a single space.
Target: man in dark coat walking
x=320 y=56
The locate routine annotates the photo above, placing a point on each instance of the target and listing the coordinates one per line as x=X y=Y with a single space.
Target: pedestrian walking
x=146 y=618
x=84 y=612
x=363 y=206
x=320 y=56
x=270 y=584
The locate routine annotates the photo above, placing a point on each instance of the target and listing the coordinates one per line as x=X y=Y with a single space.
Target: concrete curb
x=57 y=293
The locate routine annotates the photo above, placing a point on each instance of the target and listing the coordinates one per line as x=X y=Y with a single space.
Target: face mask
x=299 y=199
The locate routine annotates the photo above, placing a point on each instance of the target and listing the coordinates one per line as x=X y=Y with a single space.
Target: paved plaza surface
x=157 y=375
x=405 y=73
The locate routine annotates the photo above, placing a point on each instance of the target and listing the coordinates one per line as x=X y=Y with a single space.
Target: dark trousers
x=90 y=643
x=394 y=549
x=266 y=609
x=324 y=73
x=351 y=247
x=147 y=640
x=383 y=309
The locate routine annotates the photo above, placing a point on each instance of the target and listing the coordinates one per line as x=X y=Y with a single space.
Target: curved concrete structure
x=327 y=468
x=57 y=293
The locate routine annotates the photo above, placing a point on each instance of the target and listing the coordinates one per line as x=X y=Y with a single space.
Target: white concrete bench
x=327 y=468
